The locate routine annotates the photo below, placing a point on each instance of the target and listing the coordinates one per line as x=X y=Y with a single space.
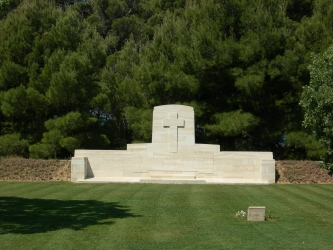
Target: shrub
x=12 y=144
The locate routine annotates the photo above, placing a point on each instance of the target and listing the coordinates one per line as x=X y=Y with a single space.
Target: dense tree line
x=87 y=74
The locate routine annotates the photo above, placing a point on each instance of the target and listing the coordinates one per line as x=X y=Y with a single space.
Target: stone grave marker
x=256 y=213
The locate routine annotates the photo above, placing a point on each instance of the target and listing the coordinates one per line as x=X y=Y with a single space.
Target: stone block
x=267 y=170
x=256 y=213
x=78 y=168
x=233 y=175
x=139 y=147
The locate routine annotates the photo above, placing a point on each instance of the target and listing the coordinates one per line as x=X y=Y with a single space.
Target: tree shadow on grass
x=29 y=216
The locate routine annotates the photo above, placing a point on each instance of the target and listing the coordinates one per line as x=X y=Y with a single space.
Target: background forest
x=87 y=74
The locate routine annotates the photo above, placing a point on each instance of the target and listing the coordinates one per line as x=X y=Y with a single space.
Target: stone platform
x=169 y=181
x=173 y=157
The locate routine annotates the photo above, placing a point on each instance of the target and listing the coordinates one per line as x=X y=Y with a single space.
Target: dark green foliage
x=8 y=5
x=12 y=144
x=141 y=123
x=297 y=9
x=304 y=146
x=107 y=63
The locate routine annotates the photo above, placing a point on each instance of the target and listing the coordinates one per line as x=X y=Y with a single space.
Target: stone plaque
x=256 y=213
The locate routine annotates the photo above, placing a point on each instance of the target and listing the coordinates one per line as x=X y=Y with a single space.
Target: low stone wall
x=301 y=172
x=21 y=169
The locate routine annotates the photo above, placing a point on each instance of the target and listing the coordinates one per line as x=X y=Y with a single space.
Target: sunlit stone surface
x=173 y=157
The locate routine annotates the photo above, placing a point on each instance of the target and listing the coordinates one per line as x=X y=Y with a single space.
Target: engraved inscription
x=173 y=160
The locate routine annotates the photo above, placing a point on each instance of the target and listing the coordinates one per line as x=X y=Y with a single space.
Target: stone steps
x=173 y=176
x=172 y=181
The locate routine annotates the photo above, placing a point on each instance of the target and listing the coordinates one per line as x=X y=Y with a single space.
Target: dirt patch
x=288 y=172
x=20 y=169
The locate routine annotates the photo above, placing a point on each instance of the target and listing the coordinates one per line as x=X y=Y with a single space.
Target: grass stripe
x=148 y=216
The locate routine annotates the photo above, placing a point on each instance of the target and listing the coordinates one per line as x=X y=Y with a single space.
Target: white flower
x=241 y=214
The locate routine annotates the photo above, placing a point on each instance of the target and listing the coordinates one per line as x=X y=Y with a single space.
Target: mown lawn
x=153 y=216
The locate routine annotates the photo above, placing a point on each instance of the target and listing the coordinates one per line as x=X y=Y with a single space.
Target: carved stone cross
x=173 y=123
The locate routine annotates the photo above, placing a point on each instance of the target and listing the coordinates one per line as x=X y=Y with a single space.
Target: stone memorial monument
x=172 y=157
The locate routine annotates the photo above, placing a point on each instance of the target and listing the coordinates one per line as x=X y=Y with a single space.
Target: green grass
x=148 y=216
